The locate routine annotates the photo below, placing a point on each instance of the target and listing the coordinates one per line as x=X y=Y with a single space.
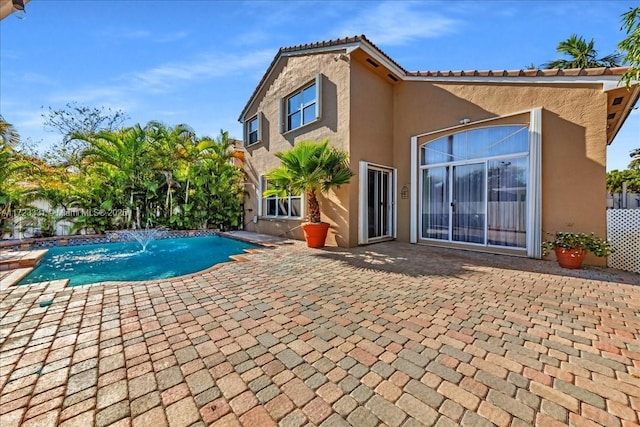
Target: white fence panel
x=623 y=230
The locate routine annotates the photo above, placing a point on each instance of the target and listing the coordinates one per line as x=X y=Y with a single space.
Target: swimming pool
x=126 y=261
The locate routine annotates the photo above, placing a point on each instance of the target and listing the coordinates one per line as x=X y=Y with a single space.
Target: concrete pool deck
x=388 y=334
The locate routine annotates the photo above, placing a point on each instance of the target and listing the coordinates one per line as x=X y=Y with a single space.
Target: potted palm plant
x=570 y=248
x=310 y=167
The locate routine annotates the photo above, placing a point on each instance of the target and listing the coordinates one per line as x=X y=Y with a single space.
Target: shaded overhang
x=7 y=7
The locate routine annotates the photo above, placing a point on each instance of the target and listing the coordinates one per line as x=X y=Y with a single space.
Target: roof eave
x=285 y=53
x=635 y=96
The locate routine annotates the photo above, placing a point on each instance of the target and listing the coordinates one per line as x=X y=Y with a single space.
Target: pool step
x=12 y=277
x=11 y=260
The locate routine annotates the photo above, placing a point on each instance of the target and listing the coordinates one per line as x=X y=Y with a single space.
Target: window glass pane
x=271 y=206
x=459 y=146
x=277 y=207
x=294 y=121
x=309 y=94
x=507 y=202
x=372 y=202
x=253 y=137
x=435 y=203
x=296 y=206
x=309 y=114
x=497 y=141
x=437 y=151
x=294 y=103
x=283 y=208
x=253 y=125
x=468 y=203
x=476 y=144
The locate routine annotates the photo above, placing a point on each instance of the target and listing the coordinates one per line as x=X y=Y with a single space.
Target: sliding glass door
x=468 y=203
x=474 y=187
x=379 y=203
x=435 y=203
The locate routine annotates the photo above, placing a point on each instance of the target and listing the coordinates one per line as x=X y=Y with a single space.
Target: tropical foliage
x=581 y=54
x=587 y=242
x=630 y=46
x=635 y=159
x=615 y=178
x=14 y=168
x=162 y=175
x=127 y=178
x=309 y=167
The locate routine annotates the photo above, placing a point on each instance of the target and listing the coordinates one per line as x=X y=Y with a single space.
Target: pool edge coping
x=233 y=258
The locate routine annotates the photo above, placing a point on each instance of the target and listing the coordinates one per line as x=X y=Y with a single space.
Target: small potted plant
x=310 y=167
x=570 y=248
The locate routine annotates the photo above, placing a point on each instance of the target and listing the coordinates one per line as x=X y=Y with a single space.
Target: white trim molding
x=363 y=206
x=534 y=186
x=362 y=203
x=413 y=221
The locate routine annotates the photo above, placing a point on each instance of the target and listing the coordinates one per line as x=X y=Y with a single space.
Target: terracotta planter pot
x=315 y=234
x=570 y=258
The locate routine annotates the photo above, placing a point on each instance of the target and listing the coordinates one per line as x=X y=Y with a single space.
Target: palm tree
x=124 y=150
x=635 y=159
x=192 y=152
x=14 y=169
x=168 y=143
x=8 y=134
x=630 y=46
x=309 y=167
x=582 y=54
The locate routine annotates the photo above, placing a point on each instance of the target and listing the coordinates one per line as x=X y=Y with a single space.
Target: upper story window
x=303 y=106
x=252 y=130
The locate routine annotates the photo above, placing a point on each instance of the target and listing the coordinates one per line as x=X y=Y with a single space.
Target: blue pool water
x=127 y=262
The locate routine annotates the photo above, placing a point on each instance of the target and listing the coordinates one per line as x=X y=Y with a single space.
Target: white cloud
x=171 y=37
x=163 y=77
x=398 y=23
x=131 y=91
x=136 y=34
x=38 y=78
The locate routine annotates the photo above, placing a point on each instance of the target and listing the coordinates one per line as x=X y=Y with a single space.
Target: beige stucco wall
x=374 y=119
x=289 y=75
x=371 y=130
x=573 y=141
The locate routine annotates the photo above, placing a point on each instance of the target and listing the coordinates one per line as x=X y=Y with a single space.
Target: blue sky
x=197 y=62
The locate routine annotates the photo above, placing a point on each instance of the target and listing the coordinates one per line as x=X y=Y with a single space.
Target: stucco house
x=481 y=160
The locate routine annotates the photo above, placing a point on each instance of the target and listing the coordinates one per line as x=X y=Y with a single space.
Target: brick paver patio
x=389 y=334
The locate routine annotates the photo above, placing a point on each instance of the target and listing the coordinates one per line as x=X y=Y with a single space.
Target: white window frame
x=284 y=106
x=363 y=202
x=247 y=130
x=534 y=181
x=264 y=200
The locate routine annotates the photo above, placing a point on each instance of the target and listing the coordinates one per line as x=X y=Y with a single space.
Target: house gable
x=380 y=113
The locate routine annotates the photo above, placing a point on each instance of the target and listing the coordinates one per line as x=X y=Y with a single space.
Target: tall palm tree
x=124 y=150
x=168 y=143
x=309 y=167
x=192 y=151
x=630 y=46
x=8 y=134
x=14 y=168
x=582 y=54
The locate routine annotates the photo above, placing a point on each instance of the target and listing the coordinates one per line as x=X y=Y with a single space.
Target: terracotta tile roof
x=556 y=72
x=315 y=45
x=338 y=42
x=575 y=72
